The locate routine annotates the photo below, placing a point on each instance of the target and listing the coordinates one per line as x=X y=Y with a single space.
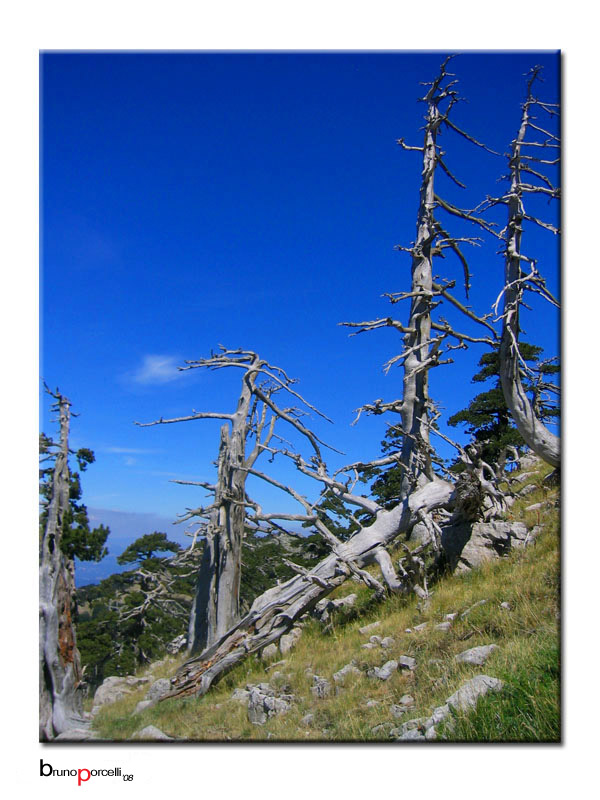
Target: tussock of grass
x=528 y=709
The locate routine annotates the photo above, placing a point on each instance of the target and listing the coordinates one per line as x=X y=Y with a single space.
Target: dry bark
x=59 y=662
x=543 y=442
x=274 y=612
x=216 y=606
x=425 y=339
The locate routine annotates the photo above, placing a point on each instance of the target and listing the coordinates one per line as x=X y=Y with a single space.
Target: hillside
x=511 y=602
x=129 y=620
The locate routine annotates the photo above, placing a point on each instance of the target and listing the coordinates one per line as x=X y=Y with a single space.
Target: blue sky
x=252 y=200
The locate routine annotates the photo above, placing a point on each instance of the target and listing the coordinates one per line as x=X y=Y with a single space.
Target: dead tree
x=276 y=610
x=59 y=662
x=521 y=272
x=423 y=492
x=223 y=522
x=426 y=340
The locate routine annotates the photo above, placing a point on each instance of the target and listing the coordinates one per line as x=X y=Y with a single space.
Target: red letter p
x=80 y=777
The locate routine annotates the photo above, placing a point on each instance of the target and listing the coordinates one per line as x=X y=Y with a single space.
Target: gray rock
x=75 y=735
x=420 y=627
x=419 y=534
x=407 y=700
x=452 y=616
x=412 y=735
x=269 y=652
x=372 y=703
x=345 y=602
x=385 y=672
x=523 y=477
x=142 y=705
x=349 y=669
x=387 y=642
x=420 y=729
x=262 y=707
x=407 y=662
x=375 y=639
x=469 y=693
x=506 y=606
x=418 y=722
x=438 y=715
x=443 y=626
x=321 y=687
x=527 y=490
x=368 y=628
x=476 y=655
x=264 y=688
x=112 y=689
x=159 y=689
x=288 y=640
x=528 y=461
x=241 y=696
x=533 y=534
x=398 y=711
x=369 y=646
x=467 y=546
x=534 y=507
x=383 y=729
x=324 y=607
x=152 y=733
x=307 y=719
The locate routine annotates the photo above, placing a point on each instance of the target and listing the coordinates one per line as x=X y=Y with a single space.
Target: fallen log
x=275 y=611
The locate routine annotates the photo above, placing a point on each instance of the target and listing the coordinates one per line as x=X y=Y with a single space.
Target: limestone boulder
x=151 y=734
x=470 y=692
x=385 y=672
x=262 y=706
x=159 y=689
x=349 y=669
x=467 y=546
x=115 y=688
x=476 y=655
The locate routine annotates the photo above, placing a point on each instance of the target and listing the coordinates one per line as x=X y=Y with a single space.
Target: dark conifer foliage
x=144 y=548
x=77 y=540
x=487 y=418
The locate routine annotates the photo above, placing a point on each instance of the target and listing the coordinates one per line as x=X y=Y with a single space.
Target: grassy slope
x=527 y=660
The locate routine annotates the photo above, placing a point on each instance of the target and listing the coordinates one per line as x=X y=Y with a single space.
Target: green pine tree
x=143 y=549
x=78 y=540
x=487 y=418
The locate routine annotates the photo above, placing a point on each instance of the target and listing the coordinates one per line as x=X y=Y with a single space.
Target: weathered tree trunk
x=542 y=441
x=274 y=612
x=424 y=339
x=216 y=606
x=217 y=601
x=59 y=662
x=415 y=456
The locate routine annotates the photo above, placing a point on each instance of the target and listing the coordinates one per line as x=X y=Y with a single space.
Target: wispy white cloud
x=129 y=461
x=157 y=369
